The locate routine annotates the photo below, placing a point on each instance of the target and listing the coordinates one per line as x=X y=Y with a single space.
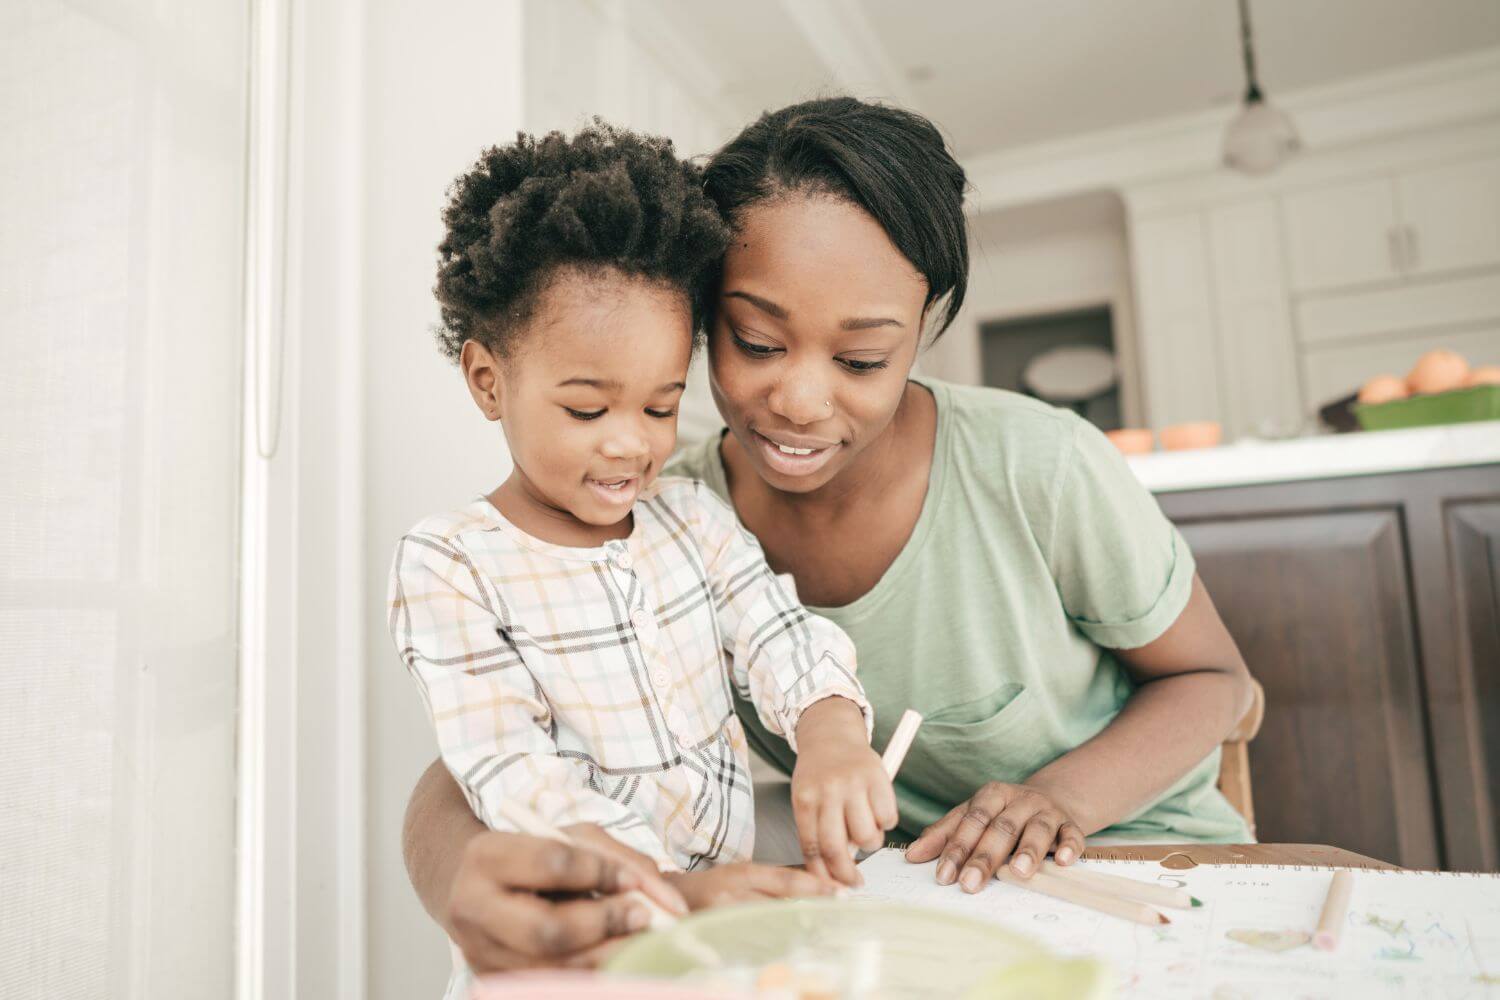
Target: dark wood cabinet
x=1369 y=609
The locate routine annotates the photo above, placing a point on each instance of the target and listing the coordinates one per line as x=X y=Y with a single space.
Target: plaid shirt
x=594 y=684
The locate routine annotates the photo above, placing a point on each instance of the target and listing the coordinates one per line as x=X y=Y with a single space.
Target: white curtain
x=122 y=148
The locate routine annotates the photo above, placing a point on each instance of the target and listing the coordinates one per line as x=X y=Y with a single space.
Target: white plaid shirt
x=593 y=684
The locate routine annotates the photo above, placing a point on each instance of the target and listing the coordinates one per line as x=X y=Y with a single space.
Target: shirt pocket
x=998 y=736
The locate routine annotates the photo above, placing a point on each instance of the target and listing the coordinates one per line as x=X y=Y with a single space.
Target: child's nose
x=626 y=445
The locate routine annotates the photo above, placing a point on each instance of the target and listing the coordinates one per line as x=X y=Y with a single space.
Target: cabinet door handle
x=1412 y=259
x=1393 y=246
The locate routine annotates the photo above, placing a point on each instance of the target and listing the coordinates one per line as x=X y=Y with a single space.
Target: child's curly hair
x=606 y=198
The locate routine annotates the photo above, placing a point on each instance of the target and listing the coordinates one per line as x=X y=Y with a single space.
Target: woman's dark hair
x=607 y=198
x=891 y=163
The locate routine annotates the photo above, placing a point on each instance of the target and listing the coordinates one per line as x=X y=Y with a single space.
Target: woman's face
x=816 y=329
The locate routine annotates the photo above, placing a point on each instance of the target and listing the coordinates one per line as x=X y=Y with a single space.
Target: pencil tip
x=1196 y=901
x=1163 y=918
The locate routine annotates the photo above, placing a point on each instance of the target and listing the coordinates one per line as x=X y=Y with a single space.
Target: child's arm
x=491 y=719
x=798 y=671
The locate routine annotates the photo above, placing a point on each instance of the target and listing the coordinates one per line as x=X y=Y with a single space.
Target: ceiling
x=997 y=74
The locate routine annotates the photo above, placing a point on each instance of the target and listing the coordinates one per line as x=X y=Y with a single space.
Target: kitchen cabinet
x=1170 y=256
x=1369 y=609
x=1452 y=216
x=1414 y=223
x=1345 y=234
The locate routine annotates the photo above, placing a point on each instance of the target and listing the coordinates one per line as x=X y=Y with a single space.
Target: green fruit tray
x=1481 y=402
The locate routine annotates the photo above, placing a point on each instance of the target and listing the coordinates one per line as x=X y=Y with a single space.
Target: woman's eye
x=584 y=414
x=754 y=350
x=855 y=365
x=661 y=414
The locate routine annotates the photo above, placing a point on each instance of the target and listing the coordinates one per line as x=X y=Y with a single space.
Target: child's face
x=588 y=398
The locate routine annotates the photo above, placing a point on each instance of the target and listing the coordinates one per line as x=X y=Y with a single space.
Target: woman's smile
x=794 y=455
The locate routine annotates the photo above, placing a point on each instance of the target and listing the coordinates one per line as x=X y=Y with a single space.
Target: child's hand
x=746 y=882
x=840 y=793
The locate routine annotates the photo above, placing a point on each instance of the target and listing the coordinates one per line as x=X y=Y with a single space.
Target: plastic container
x=1480 y=402
x=855 y=949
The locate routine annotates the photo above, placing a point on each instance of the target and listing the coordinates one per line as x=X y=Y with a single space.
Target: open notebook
x=1409 y=934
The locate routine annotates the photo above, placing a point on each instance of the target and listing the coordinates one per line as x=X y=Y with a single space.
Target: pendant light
x=1261 y=137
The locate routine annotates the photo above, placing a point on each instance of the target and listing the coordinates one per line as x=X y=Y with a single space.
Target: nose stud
x=828 y=404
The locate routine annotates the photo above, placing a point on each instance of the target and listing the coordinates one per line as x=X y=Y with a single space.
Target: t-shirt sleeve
x=1123 y=571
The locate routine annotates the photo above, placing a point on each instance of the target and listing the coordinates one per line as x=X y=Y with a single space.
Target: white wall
x=1054 y=256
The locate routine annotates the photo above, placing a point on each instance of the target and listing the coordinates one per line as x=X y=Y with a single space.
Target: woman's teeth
x=794 y=451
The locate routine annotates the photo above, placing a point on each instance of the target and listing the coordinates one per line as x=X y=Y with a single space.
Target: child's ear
x=482 y=374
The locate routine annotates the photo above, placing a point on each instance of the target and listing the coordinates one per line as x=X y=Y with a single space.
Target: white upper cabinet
x=1257 y=351
x=1415 y=223
x=1342 y=235
x=1450 y=216
x=1179 y=355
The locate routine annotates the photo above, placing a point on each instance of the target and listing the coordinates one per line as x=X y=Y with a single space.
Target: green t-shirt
x=1036 y=552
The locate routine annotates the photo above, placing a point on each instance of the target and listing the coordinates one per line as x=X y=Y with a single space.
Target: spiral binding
x=1363 y=869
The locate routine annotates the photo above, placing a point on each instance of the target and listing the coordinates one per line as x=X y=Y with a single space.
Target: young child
x=575 y=632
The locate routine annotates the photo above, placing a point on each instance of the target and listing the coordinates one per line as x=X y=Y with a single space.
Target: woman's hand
x=840 y=792
x=519 y=902
x=747 y=882
x=1000 y=823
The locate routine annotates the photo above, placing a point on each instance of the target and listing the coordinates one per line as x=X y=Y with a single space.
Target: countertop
x=1330 y=456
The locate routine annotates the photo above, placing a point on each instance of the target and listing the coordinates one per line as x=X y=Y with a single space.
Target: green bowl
x=864 y=948
x=1481 y=402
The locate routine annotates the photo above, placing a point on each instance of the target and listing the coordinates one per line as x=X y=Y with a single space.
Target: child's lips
x=617 y=489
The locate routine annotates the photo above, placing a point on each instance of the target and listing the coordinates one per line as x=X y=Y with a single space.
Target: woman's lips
x=794 y=456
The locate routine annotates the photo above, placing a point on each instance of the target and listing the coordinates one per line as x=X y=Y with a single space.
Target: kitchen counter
x=1326 y=457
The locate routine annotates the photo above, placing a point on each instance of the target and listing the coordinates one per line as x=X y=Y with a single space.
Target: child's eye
x=855 y=365
x=661 y=414
x=754 y=350
x=584 y=414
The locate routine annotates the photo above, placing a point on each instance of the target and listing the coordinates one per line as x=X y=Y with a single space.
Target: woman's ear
x=482 y=375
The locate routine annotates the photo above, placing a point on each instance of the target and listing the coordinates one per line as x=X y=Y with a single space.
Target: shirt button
x=622 y=559
x=660 y=678
x=640 y=618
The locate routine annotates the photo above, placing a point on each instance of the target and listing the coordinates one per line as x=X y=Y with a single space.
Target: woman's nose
x=800 y=401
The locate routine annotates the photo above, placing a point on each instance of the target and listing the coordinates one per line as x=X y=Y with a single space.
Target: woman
x=994 y=560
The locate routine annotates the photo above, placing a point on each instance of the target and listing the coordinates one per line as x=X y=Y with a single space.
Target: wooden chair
x=1234 y=764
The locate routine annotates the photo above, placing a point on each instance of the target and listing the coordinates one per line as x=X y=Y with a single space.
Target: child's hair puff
x=607 y=198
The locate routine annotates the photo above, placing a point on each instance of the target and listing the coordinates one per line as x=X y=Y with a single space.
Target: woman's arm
x=437 y=829
x=1193 y=690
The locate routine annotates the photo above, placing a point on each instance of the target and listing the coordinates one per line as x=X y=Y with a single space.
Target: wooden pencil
x=1127 y=888
x=1073 y=892
x=895 y=750
x=1335 y=908
x=528 y=822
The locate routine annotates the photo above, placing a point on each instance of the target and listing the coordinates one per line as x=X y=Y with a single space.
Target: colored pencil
x=1335 y=908
x=1073 y=892
x=1127 y=888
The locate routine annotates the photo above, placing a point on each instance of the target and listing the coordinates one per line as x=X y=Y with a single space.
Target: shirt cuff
x=1168 y=607
x=838 y=689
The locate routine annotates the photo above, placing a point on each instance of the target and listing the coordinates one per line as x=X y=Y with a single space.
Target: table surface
x=1187 y=855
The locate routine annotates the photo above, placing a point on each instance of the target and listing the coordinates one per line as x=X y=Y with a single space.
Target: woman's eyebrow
x=856 y=323
x=764 y=305
x=870 y=323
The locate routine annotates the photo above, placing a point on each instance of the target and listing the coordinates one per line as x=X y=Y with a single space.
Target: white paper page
x=1407 y=934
